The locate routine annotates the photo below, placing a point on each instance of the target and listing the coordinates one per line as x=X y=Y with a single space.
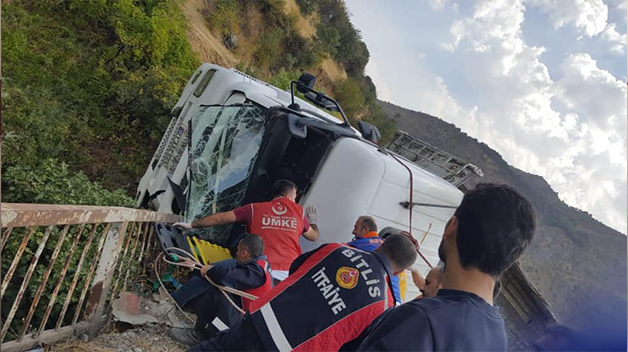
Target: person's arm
x=215 y=219
x=241 y=277
x=312 y=233
x=310 y=229
x=418 y=280
x=241 y=214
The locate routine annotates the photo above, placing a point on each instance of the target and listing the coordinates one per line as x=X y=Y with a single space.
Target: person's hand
x=187 y=263
x=311 y=215
x=183 y=225
x=205 y=269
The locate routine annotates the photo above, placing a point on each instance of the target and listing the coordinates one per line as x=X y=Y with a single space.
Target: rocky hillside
x=576 y=262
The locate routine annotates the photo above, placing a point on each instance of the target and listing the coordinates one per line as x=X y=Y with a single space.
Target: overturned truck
x=232 y=136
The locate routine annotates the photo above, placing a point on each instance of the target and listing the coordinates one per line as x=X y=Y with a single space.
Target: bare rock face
x=230 y=41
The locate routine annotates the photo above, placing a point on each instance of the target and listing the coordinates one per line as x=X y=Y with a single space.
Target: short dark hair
x=495 y=226
x=253 y=243
x=400 y=249
x=283 y=187
x=368 y=223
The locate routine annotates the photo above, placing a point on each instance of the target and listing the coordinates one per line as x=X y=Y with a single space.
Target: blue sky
x=543 y=82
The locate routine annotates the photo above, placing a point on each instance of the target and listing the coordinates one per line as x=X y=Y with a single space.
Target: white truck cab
x=232 y=136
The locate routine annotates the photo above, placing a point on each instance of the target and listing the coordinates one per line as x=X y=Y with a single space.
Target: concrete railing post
x=104 y=273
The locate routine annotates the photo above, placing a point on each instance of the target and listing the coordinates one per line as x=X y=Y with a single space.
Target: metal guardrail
x=99 y=249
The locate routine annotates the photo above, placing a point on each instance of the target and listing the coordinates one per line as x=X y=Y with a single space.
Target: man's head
x=400 y=252
x=286 y=189
x=433 y=282
x=364 y=225
x=249 y=247
x=490 y=229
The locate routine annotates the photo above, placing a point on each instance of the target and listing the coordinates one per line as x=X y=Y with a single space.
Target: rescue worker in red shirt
x=331 y=295
x=280 y=222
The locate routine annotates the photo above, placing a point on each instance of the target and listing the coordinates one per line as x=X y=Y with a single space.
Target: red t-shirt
x=280 y=223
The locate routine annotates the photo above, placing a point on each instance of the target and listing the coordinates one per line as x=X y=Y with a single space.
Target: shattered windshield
x=224 y=144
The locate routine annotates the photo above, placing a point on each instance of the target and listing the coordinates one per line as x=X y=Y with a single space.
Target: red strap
x=410 y=208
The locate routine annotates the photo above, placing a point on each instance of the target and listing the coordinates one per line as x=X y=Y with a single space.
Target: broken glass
x=225 y=141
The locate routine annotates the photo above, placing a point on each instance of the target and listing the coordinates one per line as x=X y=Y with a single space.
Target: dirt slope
x=200 y=37
x=211 y=49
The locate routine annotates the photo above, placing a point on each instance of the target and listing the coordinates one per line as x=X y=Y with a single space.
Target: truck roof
x=268 y=95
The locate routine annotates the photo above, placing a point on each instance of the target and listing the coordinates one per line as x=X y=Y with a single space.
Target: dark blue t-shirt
x=451 y=321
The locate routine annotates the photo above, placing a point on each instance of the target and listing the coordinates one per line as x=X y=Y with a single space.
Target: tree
x=348 y=94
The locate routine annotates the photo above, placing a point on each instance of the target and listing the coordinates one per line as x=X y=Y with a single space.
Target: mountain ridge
x=574 y=259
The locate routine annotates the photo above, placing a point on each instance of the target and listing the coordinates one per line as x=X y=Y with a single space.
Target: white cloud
x=580 y=149
x=437 y=4
x=548 y=108
x=587 y=15
x=617 y=40
x=593 y=93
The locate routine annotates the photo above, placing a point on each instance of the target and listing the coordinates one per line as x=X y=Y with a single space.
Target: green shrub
x=386 y=125
x=89 y=83
x=307 y=6
x=351 y=51
x=348 y=94
x=51 y=182
x=226 y=16
x=283 y=78
x=329 y=38
x=273 y=11
x=268 y=52
x=303 y=51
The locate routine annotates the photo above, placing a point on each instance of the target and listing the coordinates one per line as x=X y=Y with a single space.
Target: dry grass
x=203 y=42
x=333 y=70
x=304 y=25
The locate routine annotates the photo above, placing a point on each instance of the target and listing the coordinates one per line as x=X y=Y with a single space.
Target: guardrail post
x=104 y=273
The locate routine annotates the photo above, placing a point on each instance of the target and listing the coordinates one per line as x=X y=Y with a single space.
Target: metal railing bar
x=91 y=273
x=77 y=274
x=44 y=281
x=149 y=232
x=27 y=215
x=132 y=256
x=143 y=242
x=55 y=292
x=16 y=260
x=5 y=237
x=121 y=261
x=27 y=278
x=149 y=244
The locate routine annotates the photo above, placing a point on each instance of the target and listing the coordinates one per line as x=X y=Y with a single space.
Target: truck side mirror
x=306 y=80
x=369 y=131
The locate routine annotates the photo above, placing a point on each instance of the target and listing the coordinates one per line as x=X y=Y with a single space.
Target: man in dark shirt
x=490 y=229
x=214 y=312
